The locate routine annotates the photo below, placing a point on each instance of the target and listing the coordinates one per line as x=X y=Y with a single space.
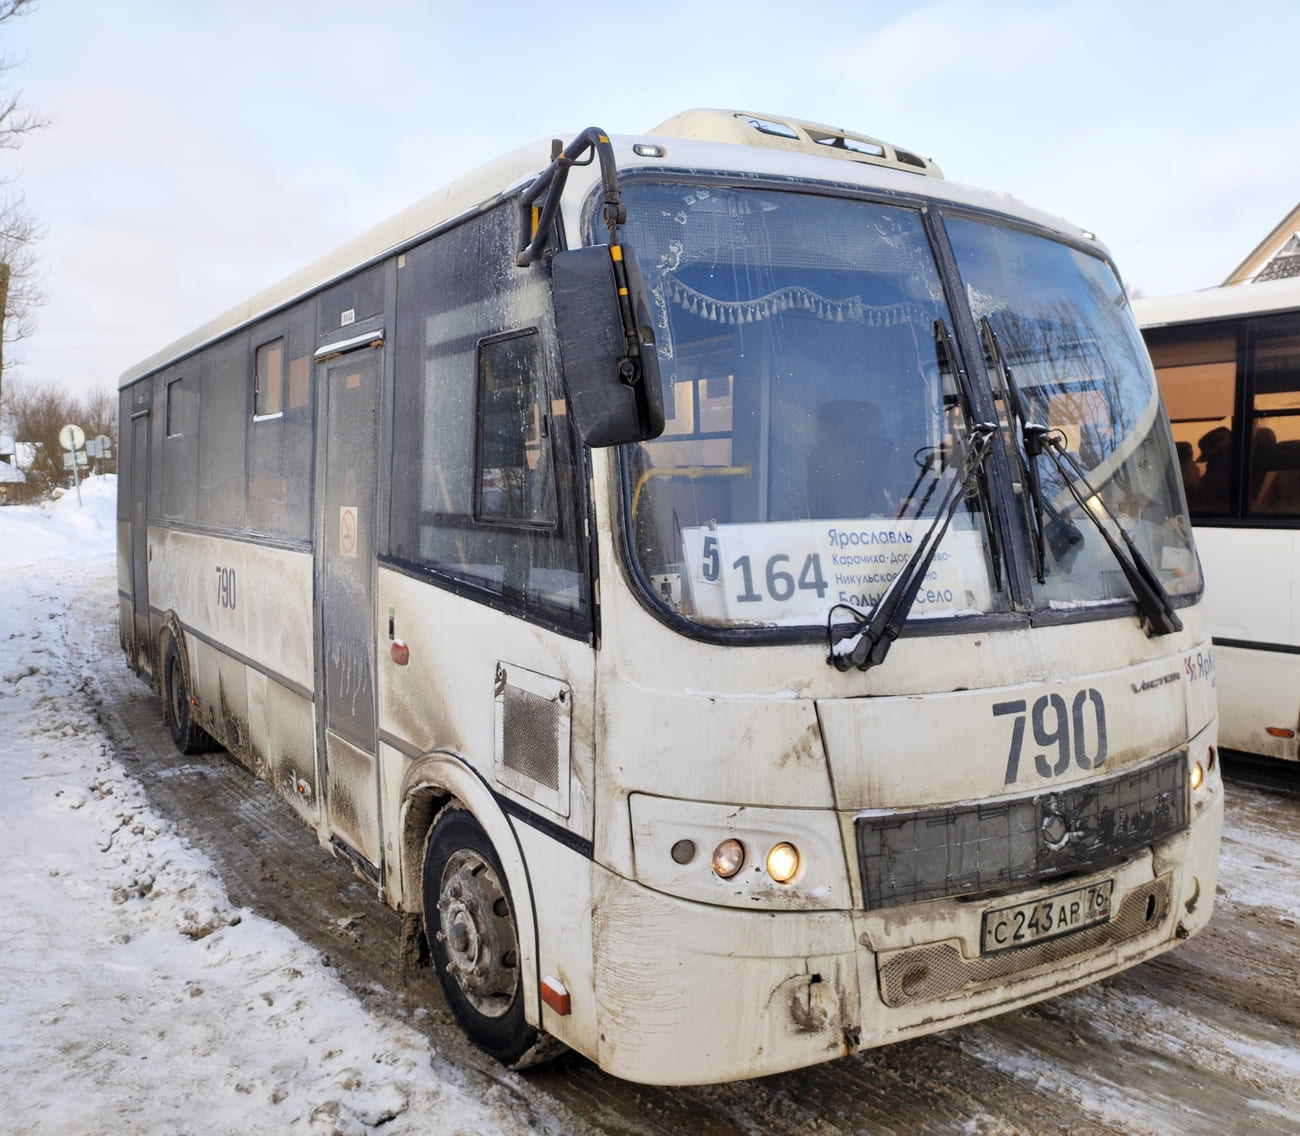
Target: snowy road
x=177 y=954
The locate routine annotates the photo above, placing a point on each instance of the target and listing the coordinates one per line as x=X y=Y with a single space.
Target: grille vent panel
x=530 y=737
x=533 y=724
x=908 y=857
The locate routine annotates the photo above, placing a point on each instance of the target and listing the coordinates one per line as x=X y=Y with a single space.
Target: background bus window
x=1275 y=434
x=1197 y=371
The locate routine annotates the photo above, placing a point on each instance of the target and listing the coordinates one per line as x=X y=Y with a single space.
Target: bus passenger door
x=345 y=580
x=142 y=659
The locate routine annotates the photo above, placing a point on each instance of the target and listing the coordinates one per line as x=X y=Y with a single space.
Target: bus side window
x=1275 y=437
x=280 y=434
x=1197 y=373
x=514 y=465
x=485 y=478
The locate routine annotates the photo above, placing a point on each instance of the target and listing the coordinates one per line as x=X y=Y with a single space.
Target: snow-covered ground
x=133 y=996
x=136 y=998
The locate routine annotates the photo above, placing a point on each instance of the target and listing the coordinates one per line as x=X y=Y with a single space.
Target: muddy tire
x=474 y=939
x=189 y=738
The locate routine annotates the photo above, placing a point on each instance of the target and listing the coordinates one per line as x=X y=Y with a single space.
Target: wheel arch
x=170 y=631
x=432 y=783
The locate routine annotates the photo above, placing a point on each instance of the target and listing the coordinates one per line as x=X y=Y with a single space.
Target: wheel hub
x=478 y=933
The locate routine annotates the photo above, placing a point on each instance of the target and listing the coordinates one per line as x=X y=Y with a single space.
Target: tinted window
x=279 y=457
x=352 y=300
x=514 y=476
x=223 y=413
x=175 y=494
x=1274 y=449
x=1197 y=370
x=483 y=482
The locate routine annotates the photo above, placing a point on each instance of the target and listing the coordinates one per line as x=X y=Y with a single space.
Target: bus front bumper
x=690 y=993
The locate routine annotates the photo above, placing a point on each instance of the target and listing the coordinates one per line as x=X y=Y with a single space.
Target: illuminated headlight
x=750 y=856
x=728 y=858
x=783 y=862
x=1198 y=776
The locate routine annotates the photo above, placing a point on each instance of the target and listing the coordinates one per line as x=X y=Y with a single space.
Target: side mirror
x=612 y=386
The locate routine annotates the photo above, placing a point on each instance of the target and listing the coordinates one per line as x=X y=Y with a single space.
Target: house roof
x=1276 y=257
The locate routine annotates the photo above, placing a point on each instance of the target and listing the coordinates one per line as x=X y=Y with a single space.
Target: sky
x=198 y=153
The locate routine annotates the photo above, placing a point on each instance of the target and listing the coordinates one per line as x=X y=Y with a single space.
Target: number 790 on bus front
x=1077 y=733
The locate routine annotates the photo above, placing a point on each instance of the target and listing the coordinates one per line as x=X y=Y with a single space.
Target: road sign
x=72 y=437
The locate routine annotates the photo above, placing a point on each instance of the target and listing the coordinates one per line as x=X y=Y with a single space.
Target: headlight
x=751 y=856
x=783 y=862
x=728 y=858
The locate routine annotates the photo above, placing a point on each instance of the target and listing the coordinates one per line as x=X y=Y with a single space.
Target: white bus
x=1228 y=363
x=729 y=588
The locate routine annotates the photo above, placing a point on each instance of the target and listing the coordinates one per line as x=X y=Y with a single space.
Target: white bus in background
x=1228 y=363
x=729 y=588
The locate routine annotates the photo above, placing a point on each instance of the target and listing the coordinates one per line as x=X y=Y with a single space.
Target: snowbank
x=133 y=996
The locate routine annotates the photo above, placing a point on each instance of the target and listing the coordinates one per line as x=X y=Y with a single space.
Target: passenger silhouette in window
x=1190 y=470
x=1216 y=456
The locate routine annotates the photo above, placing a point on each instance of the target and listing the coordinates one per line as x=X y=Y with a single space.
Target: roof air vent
x=776 y=132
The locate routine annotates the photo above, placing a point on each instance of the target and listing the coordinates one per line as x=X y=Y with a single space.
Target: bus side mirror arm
x=611 y=372
x=602 y=313
x=537 y=220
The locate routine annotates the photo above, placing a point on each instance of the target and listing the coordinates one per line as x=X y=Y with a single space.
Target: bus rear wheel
x=189 y=738
x=473 y=938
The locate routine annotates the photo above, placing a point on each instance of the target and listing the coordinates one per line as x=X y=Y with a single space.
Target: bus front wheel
x=473 y=938
x=189 y=738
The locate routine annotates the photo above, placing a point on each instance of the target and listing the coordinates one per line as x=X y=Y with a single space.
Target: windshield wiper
x=1059 y=532
x=1155 y=608
x=867 y=641
x=950 y=364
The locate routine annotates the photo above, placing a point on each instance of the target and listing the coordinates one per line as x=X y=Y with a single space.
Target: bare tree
x=39 y=413
x=20 y=292
x=20 y=287
x=99 y=414
x=16 y=120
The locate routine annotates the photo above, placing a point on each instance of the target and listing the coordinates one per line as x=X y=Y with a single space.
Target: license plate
x=1006 y=928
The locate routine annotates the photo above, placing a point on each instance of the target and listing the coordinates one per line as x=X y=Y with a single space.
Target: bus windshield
x=815 y=419
x=1070 y=353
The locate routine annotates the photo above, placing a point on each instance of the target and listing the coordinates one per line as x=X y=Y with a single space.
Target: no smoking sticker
x=347 y=530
